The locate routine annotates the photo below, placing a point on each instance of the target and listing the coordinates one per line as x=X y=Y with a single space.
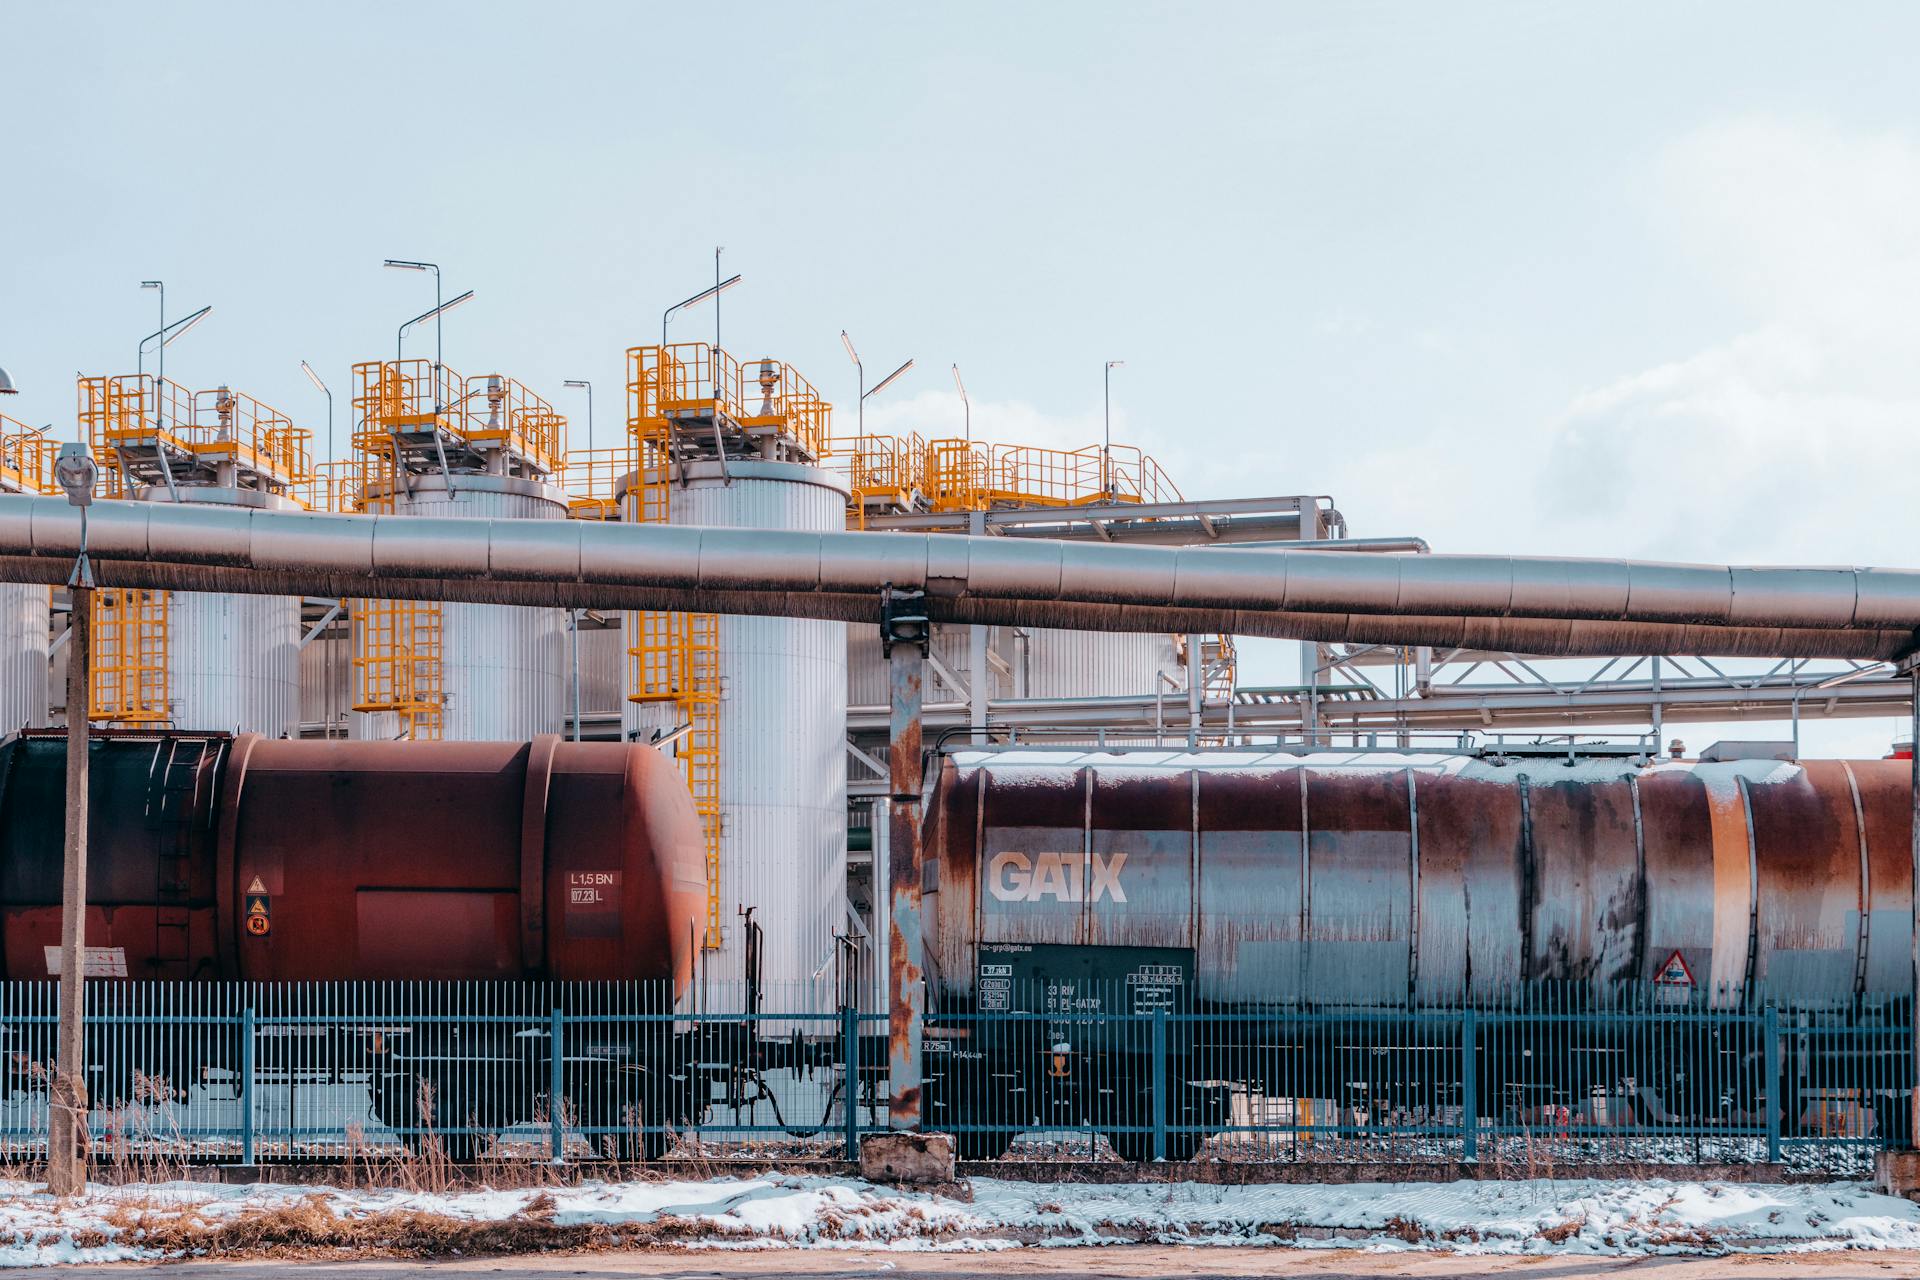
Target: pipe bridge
x=1538 y=605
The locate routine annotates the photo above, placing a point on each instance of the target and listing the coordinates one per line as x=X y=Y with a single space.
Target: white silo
x=434 y=445
x=195 y=660
x=26 y=466
x=782 y=738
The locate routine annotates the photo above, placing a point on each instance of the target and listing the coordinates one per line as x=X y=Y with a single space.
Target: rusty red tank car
x=266 y=859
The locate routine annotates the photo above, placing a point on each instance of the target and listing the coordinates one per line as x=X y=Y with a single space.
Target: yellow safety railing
x=26 y=458
x=1023 y=475
x=231 y=427
x=407 y=397
x=884 y=473
x=691 y=380
x=132 y=419
x=597 y=480
x=957 y=475
x=130 y=668
x=899 y=473
x=131 y=412
x=331 y=486
x=674 y=658
x=499 y=410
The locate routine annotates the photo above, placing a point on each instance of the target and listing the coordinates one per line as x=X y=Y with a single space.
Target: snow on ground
x=1537 y=1217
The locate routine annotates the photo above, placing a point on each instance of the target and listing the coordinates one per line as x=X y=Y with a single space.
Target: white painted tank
x=1097 y=664
x=1038 y=663
x=233 y=661
x=24 y=636
x=783 y=717
x=502 y=667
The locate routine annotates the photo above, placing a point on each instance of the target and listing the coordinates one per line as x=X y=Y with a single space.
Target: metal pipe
x=573 y=625
x=1510 y=604
x=1913 y=748
x=1193 y=690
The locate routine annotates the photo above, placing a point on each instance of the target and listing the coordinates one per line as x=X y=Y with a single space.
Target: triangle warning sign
x=1674 y=972
x=256 y=886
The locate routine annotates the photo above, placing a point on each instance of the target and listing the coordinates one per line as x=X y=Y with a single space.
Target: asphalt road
x=1123 y=1263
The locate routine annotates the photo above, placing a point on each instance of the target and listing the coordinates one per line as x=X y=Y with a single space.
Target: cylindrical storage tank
x=24 y=640
x=782 y=742
x=1097 y=664
x=233 y=661
x=1258 y=879
x=1039 y=662
x=502 y=668
x=368 y=861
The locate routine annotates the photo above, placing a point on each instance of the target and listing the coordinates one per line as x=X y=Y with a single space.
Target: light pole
x=6 y=385
x=67 y=1100
x=878 y=387
x=573 y=615
x=400 y=337
x=717 y=250
x=711 y=291
x=314 y=378
x=582 y=382
x=407 y=264
x=166 y=335
x=1106 y=436
x=965 y=403
x=140 y=360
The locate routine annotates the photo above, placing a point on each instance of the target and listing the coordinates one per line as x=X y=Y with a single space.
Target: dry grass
x=309 y=1227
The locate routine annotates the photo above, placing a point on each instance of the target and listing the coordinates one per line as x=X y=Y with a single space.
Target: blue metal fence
x=251 y=1073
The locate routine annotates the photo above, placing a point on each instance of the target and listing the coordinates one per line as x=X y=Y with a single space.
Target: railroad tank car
x=370 y=860
x=273 y=860
x=1242 y=882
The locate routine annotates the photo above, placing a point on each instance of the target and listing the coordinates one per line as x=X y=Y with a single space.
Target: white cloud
x=1792 y=440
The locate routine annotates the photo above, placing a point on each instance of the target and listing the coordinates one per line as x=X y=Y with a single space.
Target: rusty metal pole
x=67 y=1096
x=1913 y=1084
x=903 y=635
x=67 y=1100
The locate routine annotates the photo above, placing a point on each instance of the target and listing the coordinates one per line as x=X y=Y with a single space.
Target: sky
x=1611 y=280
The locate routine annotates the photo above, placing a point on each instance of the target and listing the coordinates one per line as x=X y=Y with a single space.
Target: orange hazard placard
x=259 y=926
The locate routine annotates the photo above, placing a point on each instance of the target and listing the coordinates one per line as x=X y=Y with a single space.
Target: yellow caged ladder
x=675 y=657
x=396 y=643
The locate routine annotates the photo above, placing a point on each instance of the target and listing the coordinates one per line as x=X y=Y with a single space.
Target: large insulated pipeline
x=1511 y=603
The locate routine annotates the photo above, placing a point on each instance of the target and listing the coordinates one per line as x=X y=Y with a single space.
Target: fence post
x=1770 y=1022
x=556 y=1086
x=850 y=1078
x=1159 y=1084
x=1469 y=1087
x=246 y=1085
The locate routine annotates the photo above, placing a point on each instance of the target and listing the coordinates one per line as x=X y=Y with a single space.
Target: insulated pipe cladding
x=1550 y=606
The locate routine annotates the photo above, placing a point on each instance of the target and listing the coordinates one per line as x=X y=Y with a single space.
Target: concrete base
x=1898 y=1173
x=907 y=1159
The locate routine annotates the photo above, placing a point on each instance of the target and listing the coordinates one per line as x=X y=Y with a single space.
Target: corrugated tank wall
x=867 y=668
x=1044 y=664
x=502 y=667
x=1097 y=664
x=233 y=663
x=24 y=637
x=782 y=738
